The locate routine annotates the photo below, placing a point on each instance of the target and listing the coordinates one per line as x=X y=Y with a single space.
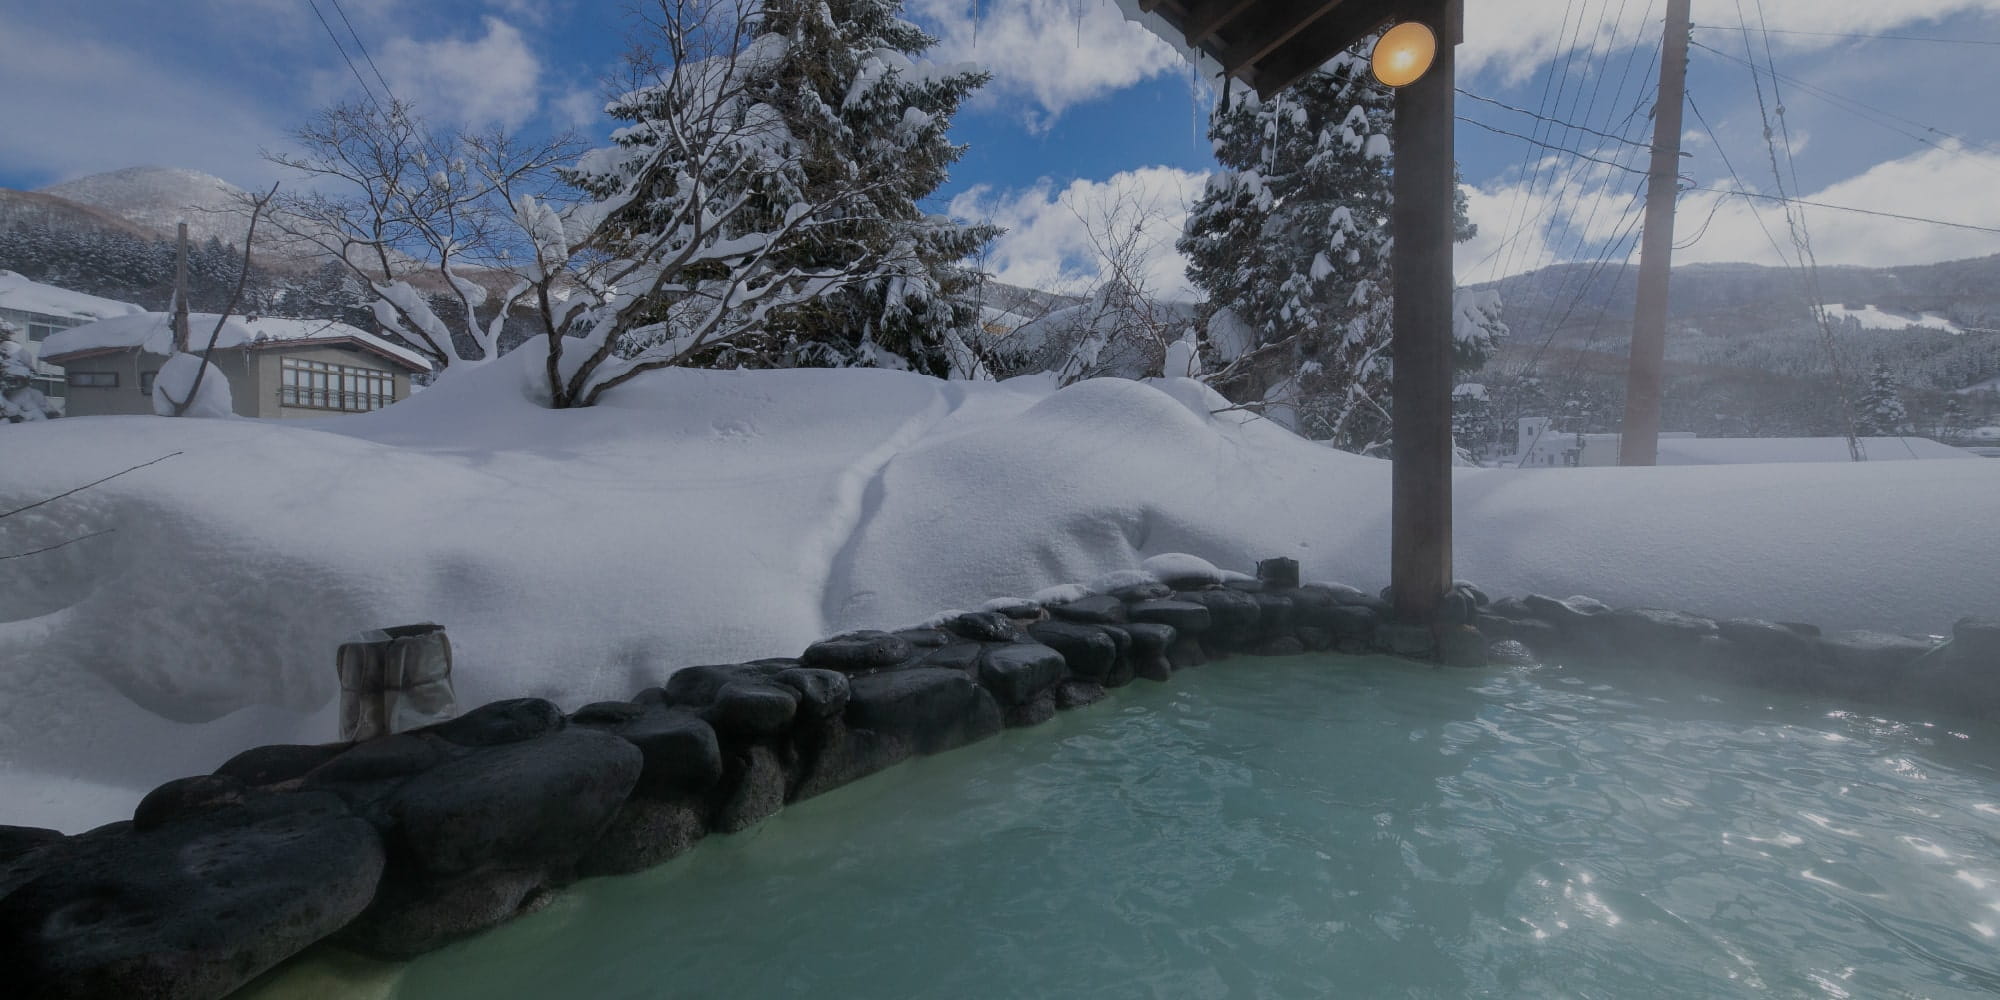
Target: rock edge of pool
x=398 y=845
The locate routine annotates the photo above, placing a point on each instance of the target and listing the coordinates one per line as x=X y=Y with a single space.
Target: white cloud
x=492 y=79
x=1046 y=55
x=1513 y=39
x=1949 y=184
x=1049 y=244
x=78 y=106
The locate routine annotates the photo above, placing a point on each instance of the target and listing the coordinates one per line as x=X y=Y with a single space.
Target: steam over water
x=1291 y=828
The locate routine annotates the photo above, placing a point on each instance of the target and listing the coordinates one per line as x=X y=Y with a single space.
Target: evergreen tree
x=1292 y=239
x=859 y=138
x=1881 y=412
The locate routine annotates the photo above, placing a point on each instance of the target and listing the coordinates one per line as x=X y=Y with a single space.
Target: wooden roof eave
x=1272 y=44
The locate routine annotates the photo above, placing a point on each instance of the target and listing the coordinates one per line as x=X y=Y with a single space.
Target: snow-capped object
x=17 y=292
x=1121 y=579
x=1229 y=337
x=1180 y=567
x=1064 y=593
x=153 y=333
x=176 y=381
x=1183 y=358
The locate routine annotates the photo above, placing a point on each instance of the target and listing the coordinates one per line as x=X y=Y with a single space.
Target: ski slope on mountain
x=704 y=516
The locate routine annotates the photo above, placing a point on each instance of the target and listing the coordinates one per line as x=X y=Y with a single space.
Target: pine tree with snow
x=1291 y=241
x=843 y=122
x=20 y=401
x=1881 y=412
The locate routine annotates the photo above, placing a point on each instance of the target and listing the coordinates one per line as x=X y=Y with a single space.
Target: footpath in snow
x=701 y=517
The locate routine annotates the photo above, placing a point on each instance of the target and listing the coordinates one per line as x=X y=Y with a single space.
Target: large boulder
x=1091 y=653
x=753 y=710
x=934 y=708
x=1100 y=609
x=857 y=652
x=269 y=765
x=680 y=754
x=1018 y=673
x=536 y=804
x=1186 y=618
x=1149 y=650
x=190 y=909
x=1655 y=636
x=753 y=789
x=1869 y=665
x=1233 y=616
x=500 y=723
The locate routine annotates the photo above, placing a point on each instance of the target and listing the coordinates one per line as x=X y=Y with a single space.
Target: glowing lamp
x=1403 y=53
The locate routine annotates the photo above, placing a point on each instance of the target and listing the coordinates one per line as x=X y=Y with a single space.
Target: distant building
x=44 y=310
x=276 y=367
x=1546 y=447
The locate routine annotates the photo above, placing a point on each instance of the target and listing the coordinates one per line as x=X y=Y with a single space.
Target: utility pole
x=181 y=337
x=1424 y=186
x=1639 y=444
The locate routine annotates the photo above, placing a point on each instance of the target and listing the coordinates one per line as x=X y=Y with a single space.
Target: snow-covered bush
x=20 y=401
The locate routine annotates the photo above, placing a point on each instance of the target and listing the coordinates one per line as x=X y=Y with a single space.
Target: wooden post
x=1639 y=442
x=1426 y=169
x=181 y=336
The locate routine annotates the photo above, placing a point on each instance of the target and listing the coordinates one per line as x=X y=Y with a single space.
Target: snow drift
x=702 y=516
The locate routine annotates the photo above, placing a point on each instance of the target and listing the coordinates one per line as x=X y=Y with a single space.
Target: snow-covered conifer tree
x=1881 y=412
x=871 y=122
x=1291 y=243
x=20 y=401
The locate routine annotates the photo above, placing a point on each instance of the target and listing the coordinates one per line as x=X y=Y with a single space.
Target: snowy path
x=715 y=516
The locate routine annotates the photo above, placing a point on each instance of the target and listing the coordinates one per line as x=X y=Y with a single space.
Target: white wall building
x=1546 y=447
x=42 y=310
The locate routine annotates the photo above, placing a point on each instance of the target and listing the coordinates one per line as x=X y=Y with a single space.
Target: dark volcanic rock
x=1090 y=653
x=1764 y=638
x=1312 y=607
x=532 y=804
x=1413 y=641
x=753 y=710
x=1233 y=615
x=607 y=713
x=1149 y=650
x=1656 y=636
x=1017 y=673
x=1186 y=652
x=1570 y=615
x=283 y=762
x=412 y=916
x=1150 y=590
x=1461 y=646
x=1033 y=713
x=1353 y=621
x=822 y=693
x=1278 y=572
x=1510 y=653
x=185 y=797
x=754 y=790
x=1077 y=692
x=390 y=757
x=697 y=687
x=1186 y=618
x=961 y=655
x=936 y=709
x=644 y=833
x=500 y=722
x=924 y=638
x=1099 y=609
x=1276 y=614
x=834 y=754
x=857 y=652
x=679 y=753
x=1868 y=664
x=1282 y=645
x=984 y=626
x=191 y=909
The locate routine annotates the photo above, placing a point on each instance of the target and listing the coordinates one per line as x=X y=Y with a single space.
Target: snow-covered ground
x=1874 y=318
x=702 y=516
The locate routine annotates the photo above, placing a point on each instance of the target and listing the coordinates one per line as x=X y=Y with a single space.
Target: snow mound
x=1062 y=593
x=1121 y=579
x=707 y=516
x=1181 y=566
x=176 y=382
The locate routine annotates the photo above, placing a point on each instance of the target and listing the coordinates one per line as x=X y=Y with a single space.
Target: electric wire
x=372 y=99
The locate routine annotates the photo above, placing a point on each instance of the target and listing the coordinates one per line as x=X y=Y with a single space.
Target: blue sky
x=1089 y=112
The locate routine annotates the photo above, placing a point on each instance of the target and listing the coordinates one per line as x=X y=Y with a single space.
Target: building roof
x=1268 y=44
x=17 y=292
x=152 y=332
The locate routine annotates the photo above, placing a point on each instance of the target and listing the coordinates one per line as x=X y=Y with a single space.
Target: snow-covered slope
x=158 y=197
x=704 y=516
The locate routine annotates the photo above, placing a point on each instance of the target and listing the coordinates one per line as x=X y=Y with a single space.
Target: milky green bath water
x=1291 y=828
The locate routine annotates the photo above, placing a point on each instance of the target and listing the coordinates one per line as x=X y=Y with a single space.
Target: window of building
x=146 y=382
x=322 y=386
x=93 y=380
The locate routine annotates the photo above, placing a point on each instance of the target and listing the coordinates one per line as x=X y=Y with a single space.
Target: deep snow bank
x=710 y=516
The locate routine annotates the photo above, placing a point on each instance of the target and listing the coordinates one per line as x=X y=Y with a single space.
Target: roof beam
x=1204 y=20
x=1267 y=36
x=1307 y=50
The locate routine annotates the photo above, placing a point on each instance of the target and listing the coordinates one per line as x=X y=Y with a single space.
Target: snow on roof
x=1748 y=451
x=17 y=292
x=152 y=333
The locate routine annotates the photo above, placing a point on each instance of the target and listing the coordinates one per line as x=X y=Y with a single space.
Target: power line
x=338 y=9
x=1850 y=208
x=1556 y=121
x=372 y=99
x=1868 y=37
x=1551 y=146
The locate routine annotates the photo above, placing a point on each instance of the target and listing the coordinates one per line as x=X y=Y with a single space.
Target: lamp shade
x=1403 y=53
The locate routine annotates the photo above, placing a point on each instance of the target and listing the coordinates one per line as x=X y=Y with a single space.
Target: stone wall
x=398 y=845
